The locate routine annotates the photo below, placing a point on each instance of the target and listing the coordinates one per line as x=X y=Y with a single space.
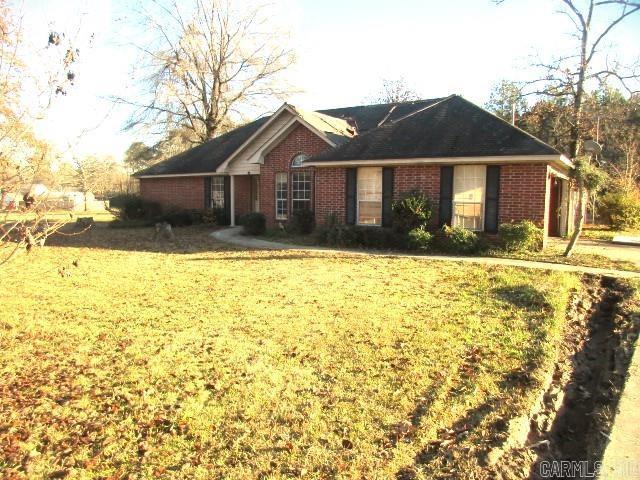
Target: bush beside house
x=253 y=223
x=520 y=236
x=621 y=210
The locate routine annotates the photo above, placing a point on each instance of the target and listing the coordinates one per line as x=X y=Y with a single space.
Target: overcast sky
x=345 y=48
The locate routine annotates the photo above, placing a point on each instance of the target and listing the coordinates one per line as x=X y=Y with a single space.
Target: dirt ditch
x=574 y=416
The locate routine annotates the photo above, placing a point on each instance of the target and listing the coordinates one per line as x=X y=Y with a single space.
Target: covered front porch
x=235 y=195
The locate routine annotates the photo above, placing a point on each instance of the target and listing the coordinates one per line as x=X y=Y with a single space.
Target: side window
x=300 y=191
x=468 y=196
x=217 y=192
x=369 y=204
x=282 y=191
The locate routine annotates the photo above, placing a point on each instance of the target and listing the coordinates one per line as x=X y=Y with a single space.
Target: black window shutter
x=227 y=200
x=207 y=192
x=492 y=194
x=446 y=195
x=352 y=180
x=387 y=196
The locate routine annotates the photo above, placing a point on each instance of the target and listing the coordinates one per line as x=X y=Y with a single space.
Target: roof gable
x=205 y=158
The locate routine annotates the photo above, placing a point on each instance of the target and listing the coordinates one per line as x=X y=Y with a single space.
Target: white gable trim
x=296 y=118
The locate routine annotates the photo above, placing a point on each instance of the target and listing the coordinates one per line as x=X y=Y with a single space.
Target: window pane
x=468 y=215
x=468 y=183
x=370 y=196
x=300 y=191
x=217 y=192
x=281 y=196
x=298 y=159
x=468 y=196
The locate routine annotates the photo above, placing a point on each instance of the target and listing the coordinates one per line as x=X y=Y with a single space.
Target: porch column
x=232 y=198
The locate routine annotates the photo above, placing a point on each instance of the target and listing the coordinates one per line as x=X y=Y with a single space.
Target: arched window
x=298 y=159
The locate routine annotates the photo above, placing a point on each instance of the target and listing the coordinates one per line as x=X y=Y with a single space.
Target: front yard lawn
x=200 y=361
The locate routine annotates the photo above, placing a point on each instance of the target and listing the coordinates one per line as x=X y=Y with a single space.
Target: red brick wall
x=331 y=188
x=188 y=192
x=331 y=194
x=181 y=192
x=524 y=192
x=242 y=194
x=425 y=178
x=278 y=160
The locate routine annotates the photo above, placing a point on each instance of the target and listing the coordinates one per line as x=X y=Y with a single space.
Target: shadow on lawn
x=101 y=236
x=484 y=426
x=524 y=297
x=188 y=240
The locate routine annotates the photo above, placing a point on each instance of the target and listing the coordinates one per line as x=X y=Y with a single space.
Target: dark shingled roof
x=207 y=157
x=437 y=127
x=450 y=127
x=367 y=117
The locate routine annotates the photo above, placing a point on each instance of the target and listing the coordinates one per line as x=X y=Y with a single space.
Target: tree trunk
x=578 y=224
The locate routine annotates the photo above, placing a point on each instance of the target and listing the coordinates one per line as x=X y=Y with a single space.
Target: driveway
x=629 y=253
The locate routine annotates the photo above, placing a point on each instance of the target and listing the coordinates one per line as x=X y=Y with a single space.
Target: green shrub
x=354 y=236
x=419 y=239
x=128 y=206
x=209 y=216
x=302 y=221
x=412 y=211
x=253 y=223
x=458 y=240
x=621 y=210
x=518 y=236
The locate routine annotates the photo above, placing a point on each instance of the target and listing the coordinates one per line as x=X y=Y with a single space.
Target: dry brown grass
x=200 y=361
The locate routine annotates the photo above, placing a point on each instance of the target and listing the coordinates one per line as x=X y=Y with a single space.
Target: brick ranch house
x=351 y=163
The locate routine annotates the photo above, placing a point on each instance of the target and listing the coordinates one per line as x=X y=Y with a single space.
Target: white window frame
x=295 y=184
x=282 y=178
x=457 y=172
x=359 y=182
x=216 y=181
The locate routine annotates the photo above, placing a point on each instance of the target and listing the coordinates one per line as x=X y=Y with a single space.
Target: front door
x=554 y=207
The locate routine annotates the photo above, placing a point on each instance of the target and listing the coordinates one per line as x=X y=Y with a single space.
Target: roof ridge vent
x=387 y=115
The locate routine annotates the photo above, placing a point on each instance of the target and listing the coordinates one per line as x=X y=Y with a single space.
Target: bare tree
x=211 y=61
x=394 y=91
x=569 y=76
x=23 y=156
x=92 y=175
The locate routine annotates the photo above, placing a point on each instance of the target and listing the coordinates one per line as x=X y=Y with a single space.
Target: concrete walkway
x=233 y=235
x=622 y=456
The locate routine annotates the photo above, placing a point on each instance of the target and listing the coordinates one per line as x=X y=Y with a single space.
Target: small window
x=281 y=196
x=370 y=196
x=300 y=191
x=468 y=196
x=298 y=159
x=217 y=192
